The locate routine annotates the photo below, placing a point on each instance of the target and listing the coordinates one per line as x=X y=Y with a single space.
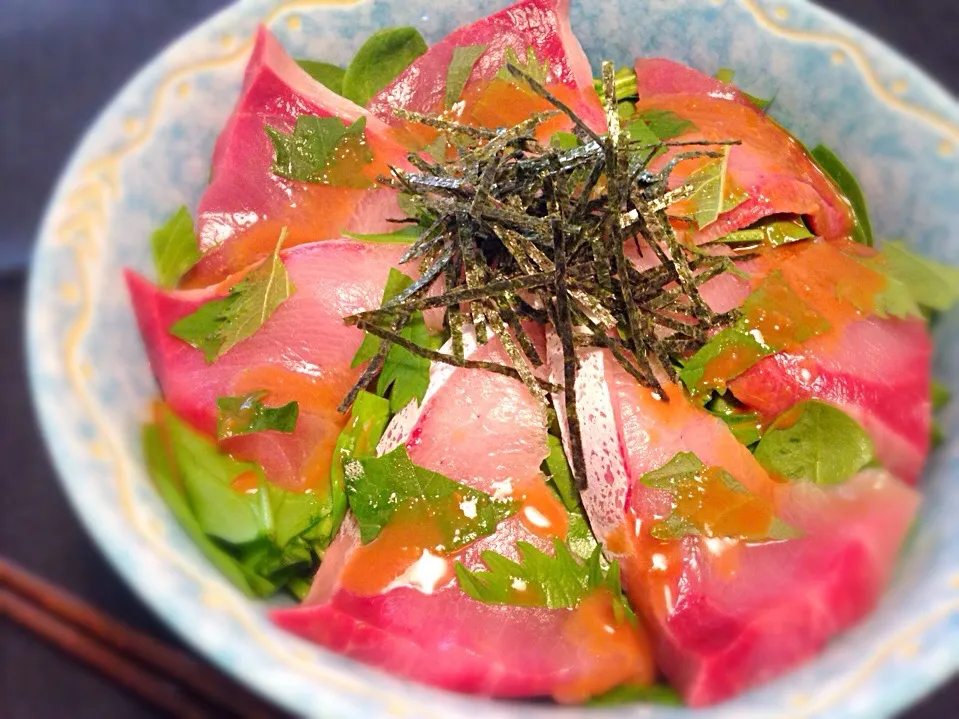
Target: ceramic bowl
x=149 y=152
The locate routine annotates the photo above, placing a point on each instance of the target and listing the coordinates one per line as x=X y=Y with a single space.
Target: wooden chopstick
x=156 y=672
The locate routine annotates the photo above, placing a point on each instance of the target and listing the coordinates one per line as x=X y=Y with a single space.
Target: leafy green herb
x=624 y=85
x=725 y=356
x=219 y=325
x=560 y=474
x=847 y=183
x=531 y=65
x=579 y=536
x=666 y=124
x=941 y=395
x=163 y=474
x=369 y=416
x=405 y=376
x=380 y=60
x=710 y=501
x=913 y=282
x=247 y=414
x=313 y=151
x=773 y=231
x=405 y=236
x=325 y=73
x=379 y=487
x=459 y=71
x=258 y=534
x=641 y=133
x=174 y=248
x=745 y=426
x=633 y=693
x=560 y=581
x=564 y=140
x=711 y=196
x=815 y=442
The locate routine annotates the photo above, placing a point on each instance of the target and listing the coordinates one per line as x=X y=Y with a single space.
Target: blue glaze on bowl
x=148 y=152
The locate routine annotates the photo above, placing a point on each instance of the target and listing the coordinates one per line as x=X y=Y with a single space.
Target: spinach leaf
x=407 y=235
x=913 y=282
x=711 y=195
x=219 y=325
x=378 y=487
x=815 y=442
x=745 y=426
x=773 y=231
x=725 y=356
x=459 y=71
x=247 y=414
x=325 y=73
x=380 y=60
x=847 y=183
x=314 y=150
x=174 y=248
x=666 y=124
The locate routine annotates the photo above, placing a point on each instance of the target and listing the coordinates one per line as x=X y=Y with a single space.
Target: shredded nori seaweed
x=519 y=231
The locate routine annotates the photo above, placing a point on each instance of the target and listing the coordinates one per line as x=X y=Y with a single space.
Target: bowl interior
x=149 y=152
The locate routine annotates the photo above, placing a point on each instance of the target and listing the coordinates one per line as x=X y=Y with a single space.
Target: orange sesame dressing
x=622 y=650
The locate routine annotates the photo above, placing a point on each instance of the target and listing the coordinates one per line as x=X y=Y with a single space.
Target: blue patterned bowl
x=149 y=152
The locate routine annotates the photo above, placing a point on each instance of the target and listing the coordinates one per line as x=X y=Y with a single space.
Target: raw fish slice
x=728 y=615
x=242 y=212
x=412 y=618
x=770 y=166
x=303 y=353
x=866 y=370
x=540 y=25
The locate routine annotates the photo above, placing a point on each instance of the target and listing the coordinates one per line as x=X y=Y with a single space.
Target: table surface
x=38 y=529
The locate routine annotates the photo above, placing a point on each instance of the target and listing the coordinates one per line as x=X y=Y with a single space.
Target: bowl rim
x=848 y=36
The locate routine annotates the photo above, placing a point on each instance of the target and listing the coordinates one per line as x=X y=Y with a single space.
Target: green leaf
x=531 y=65
x=299 y=587
x=162 y=472
x=404 y=376
x=380 y=60
x=560 y=581
x=247 y=414
x=773 y=231
x=711 y=502
x=725 y=74
x=711 y=195
x=847 y=183
x=745 y=426
x=327 y=74
x=666 y=124
x=560 y=473
x=636 y=693
x=316 y=151
x=815 y=442
x=941 y=395
x=378 y=487
x=914 y=280
x=563 y=140
x=459 y=71
x=724 y=357
x=407 y=235
x=624 y=83
x=369 y=416
x=174 y=248
x=219 y=325
x=579 y=536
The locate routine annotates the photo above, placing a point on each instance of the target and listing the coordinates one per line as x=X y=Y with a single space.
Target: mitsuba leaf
x=219 y=325
x=380 y=60
x=315 y=149
x=815 y=442
x=711 y=502
x=325 y=73
x=666 y=124
x=379 y=487
x=247 y=414
x=459 y=71
x=847 y=183
x=174 y=248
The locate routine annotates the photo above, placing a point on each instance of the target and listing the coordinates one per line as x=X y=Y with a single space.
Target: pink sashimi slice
x=867 y=371
x=727 y=614
x=246 y=205
x=483 y=430
x=302 y=353
x=538 y=25
x=770 y=166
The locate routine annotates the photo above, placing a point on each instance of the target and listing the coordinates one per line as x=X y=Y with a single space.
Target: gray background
x=60 y=61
